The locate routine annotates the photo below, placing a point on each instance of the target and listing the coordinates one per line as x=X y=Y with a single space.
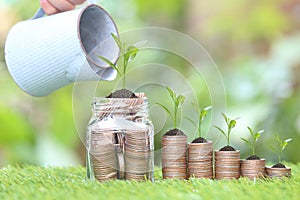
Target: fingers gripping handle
x=40 y=12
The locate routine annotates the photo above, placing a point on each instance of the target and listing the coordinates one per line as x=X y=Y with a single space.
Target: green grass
x=32 y=182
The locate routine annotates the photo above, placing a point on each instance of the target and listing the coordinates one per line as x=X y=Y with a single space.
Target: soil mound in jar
x=278 y=165
x=199 y=140
x=174 y=132
x=253 y=157
x=123 y=93
x=227 y=148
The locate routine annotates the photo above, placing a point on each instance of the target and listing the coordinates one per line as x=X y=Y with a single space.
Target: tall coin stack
x=174 y=156
x=103 y=155
x=253 y=168
x=227 y=164
x=200 y=157
x=137 y=155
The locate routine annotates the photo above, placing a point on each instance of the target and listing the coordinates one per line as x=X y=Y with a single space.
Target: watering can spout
x=48 y=53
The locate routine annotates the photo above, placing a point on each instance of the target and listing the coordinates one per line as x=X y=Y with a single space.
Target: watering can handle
x=40 y=12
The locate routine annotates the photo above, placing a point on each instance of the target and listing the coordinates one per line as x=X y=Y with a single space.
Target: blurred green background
x=255 y=44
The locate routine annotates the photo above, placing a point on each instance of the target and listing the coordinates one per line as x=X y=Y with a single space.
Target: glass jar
x=120 y=140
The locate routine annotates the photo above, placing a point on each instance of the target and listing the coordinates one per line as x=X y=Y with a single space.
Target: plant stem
x=175 y=116
x=199 y=128
x=228 y=137
x=124 y=70
x=124 y=81
x=253 y=146
x=279 y=158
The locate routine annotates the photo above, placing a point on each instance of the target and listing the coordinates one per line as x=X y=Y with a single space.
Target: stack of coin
x=227 y=164
x=103 y=154
x=174 y=156
x=138 y=149
x=278 y=172
x=200 y=160
x=253 y=168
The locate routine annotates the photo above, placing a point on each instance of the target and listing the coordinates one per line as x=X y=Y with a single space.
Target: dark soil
x=123 y=93
x=174 y=132
x=278 y=165
x=227 y=148
x=253 y=157
x=199 y=140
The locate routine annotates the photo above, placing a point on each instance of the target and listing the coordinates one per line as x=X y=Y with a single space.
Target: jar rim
x=117 y=105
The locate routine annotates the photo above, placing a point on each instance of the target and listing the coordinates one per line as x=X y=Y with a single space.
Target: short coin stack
x=174 y=156
x=253 y=168
x=103 y=155
x=278 y=172
x=227 y=164
x=200 y=156
x=137 y=155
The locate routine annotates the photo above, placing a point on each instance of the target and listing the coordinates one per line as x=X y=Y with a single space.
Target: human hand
x=56 y=6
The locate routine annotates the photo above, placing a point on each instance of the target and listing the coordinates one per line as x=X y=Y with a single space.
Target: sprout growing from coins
x=230 y=125
x=177 y=101
x=280 y=147
x=254 y=138
x=201 y=114
x=127 y=55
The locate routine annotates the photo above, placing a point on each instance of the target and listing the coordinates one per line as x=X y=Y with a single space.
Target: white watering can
x=46 y=53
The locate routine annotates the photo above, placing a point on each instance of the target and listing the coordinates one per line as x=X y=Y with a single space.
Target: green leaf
x=278 y=139
x=272 y=149
x=207 y=108
x=131 y=53
x=221 y=131
x=192 y=121
x=203 y=113
x=118 y=41
x=165 y=108
x=256 y=136
x=261 y=131
x=225 y=118
x=285 y=143
x=180 y=100
x=112 y=65
x=232 y=124
x=171 y=93
x=246 y=141
x=288 y=140
x=251 y=131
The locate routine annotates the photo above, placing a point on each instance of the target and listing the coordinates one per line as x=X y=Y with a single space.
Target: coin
x=227 y=164
x=174 y=163
x=125 y=152
x=200 y=157
x=138 y=149
x=253 y=168
x=278 y=172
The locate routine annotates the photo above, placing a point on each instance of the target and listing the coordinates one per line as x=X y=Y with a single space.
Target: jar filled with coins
x=120 y=140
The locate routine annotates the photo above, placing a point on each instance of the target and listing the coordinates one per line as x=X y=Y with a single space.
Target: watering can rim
x=79 y=37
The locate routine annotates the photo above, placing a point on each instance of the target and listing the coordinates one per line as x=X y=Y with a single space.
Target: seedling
x=230 y=125
x=201 y=116
x=177 y=100
x=127 y=55
x=254 y=139
x=281 y=145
